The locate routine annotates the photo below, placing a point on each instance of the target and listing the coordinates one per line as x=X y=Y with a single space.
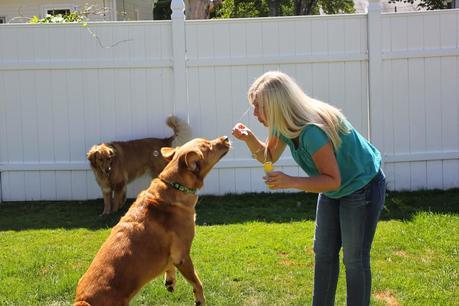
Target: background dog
x=156 y=233
x=117 y=163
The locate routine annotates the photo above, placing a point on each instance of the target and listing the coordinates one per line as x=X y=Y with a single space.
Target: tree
x=304 y=7
x=162 y=10
x=194 y=9
x=429 y=4
x=205 y=9
x=274 y=7
x=200 y=9
x=263 y=8
x=337 y=6
x=242 y=8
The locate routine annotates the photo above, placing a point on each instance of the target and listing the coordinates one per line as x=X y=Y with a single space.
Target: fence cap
x=374 y=5
x=178 y=8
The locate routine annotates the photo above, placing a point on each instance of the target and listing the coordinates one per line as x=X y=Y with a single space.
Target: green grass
x=253 y=249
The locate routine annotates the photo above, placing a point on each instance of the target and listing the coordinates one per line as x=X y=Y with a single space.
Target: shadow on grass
x=214 y=210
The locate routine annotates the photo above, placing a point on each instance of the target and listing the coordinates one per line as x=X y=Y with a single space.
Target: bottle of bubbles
x=268 y=167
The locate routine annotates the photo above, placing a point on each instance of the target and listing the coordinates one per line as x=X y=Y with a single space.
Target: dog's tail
x=182 y=131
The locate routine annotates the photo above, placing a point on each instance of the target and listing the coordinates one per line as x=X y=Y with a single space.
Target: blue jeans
x=349 y=222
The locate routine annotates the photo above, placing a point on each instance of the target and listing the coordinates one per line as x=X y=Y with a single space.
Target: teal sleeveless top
x=358 y=160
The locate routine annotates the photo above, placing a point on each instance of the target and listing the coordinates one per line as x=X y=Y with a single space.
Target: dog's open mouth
x=223 y=154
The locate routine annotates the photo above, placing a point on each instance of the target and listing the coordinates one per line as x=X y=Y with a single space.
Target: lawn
x=252 y=249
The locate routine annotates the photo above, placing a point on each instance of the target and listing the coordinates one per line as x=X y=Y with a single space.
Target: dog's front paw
x=200 y=300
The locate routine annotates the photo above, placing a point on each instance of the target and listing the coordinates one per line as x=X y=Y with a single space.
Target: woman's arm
x=257 y=147
x=328 y=180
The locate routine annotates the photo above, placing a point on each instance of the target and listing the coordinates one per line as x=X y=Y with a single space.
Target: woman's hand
x=241 y=132
x=278 y=180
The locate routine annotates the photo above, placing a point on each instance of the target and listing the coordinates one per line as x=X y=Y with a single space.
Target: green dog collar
x=180 y=187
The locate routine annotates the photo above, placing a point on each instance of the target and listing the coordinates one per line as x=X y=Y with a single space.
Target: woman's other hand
x=278 y=180
x=241 y=132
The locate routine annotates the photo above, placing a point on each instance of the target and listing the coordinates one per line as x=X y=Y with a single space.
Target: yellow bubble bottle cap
x=268 y=166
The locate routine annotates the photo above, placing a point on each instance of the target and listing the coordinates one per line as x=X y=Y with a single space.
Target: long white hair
x=288 y=109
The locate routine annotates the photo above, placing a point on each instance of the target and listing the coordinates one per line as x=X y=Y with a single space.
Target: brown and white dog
x=115 y=164
x=155 y=235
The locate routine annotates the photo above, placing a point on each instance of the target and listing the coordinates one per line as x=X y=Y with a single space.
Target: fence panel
x=420 y=95
x=64 y=90
x=226 y=56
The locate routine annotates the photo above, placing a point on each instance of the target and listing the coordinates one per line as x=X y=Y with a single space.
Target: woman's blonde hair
x=288 y=109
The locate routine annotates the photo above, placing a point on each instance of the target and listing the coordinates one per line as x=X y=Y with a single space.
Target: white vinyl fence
x=395 y=76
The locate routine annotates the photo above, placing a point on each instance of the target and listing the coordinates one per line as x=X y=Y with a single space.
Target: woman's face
x=260 y=115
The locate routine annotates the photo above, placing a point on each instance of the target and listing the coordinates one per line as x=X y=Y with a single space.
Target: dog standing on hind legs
x=156 y=234
x=115 y=164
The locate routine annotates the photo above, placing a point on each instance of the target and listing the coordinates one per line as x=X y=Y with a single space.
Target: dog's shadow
x=57 y=214
x=217 y=210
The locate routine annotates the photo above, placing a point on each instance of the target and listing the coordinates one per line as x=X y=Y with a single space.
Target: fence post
x=180 y=95
x=375 y=107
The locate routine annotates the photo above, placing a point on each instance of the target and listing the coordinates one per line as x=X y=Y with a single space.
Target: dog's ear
x=168 y=153
x=91 y=155
x=111 y=152
x=192 y=159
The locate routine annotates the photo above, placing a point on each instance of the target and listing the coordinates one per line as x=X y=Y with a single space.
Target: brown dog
x=116 y=164
x=156 y=233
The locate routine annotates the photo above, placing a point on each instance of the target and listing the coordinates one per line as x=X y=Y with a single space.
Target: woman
x=343 y=168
